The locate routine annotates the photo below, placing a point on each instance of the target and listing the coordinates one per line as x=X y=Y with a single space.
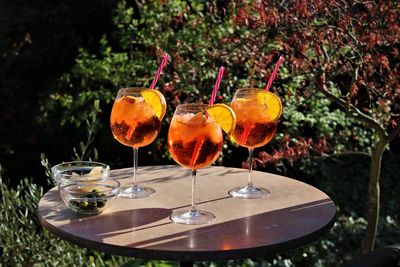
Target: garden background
x=62 y=63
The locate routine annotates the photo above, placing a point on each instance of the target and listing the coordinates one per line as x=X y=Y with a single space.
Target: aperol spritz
x=257 y=113
x=195 y=141
x=135 y=122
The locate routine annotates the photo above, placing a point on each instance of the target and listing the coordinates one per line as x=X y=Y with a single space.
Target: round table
x=294 y=214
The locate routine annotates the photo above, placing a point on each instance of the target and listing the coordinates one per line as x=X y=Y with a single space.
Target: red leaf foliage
x=352 y=45
x=293 y=149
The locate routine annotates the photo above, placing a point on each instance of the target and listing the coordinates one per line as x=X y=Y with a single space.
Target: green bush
x=198 y=36
x=25 y=243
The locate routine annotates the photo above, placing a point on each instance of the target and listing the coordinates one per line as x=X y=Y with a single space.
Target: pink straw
x=216 y=86
x=159 y=71
x=271 y=79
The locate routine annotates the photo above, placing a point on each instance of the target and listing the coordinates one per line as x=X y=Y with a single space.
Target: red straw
x=271 y=79
x=216 y=86
x=159 y=71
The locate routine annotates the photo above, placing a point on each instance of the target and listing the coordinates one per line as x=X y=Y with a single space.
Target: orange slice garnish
x=272 y=102
x=224 y=115
x=156 y=100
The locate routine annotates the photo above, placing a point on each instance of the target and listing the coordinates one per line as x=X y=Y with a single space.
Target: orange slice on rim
x=224 y=115
x=272 y=102
x=156 y=100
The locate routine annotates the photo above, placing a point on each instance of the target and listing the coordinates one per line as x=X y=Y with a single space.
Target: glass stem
x=193 y=208
x=135 y=163
x=250 y=163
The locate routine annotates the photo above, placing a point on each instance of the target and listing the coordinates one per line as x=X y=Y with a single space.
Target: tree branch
x=354 y=111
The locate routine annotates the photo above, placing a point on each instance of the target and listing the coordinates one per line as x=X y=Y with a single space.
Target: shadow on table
x=159 y=172
x=202 y=202
x=156 y=171
x=275 y=230
x=127 y=219
x=114 y=223
x=111 y=224
x=58 y=211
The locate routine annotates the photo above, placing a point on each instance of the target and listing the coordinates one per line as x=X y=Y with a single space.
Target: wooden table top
x=294 y=214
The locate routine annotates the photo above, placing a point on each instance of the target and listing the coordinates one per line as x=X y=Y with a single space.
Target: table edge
x=191 y=255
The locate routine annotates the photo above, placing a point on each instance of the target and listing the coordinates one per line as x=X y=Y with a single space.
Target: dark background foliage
x=62 y=63
x=39 y=42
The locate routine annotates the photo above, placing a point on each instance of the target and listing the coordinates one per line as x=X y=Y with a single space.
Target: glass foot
x=136 y=192
x=249 y=192
x=192 y=217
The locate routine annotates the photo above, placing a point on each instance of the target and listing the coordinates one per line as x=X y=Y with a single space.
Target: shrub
x=25 y=243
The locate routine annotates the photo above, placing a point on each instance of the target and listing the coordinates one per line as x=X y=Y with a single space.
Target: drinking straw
x=159 y=71
x=200 y=141
x=249 y=127
x=216 y=86
x=274 y=72
x=196 y=151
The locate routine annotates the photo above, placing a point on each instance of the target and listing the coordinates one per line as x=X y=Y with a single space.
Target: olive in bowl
x=89 y=197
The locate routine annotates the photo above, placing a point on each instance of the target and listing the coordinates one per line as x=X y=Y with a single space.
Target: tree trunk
x=374 y=196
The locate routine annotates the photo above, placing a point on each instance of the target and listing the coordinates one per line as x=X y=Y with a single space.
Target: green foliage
x=200 y=39
x=25 y=243
x=91 y=126
x=315 y=116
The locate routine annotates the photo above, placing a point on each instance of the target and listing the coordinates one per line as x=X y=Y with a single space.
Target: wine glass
x=194 y=141
x=257 y=113
x=135 y=122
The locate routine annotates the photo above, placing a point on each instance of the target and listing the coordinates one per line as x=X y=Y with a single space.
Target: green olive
x=93 y=205
x=83 y=204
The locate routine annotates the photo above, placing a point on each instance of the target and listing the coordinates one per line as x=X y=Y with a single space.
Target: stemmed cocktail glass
x=135 y=122
x=194 y=141
x=257 y=113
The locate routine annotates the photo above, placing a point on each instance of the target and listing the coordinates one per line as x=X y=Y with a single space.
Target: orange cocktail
x=194 y=140
x=257 y=113
x=254 y=125
x=135 y=122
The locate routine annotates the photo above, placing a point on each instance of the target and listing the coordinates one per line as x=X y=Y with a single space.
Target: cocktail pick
x=159 y=71
x=274 y=72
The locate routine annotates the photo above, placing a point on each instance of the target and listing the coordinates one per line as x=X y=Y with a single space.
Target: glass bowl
x=89 y=197
x=78 y=171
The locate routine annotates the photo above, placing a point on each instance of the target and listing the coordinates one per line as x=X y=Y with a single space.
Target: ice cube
x=198 y=118
x=185 y=117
